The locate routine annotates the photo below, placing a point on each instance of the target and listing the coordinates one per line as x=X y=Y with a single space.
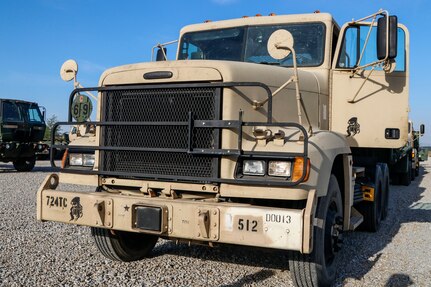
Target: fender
x=324 y=147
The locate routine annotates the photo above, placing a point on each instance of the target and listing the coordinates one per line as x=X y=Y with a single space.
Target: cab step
x=355 y=219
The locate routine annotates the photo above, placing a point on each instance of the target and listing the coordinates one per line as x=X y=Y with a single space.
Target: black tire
x=24 y=164
x=372 y=210
x=385 y=191
x=123 y=246
x=413 y=174
x=319 y=267
x=405 y=177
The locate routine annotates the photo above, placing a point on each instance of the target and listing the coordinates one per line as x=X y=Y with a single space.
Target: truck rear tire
x=415 y=172
x=385 y=191
x=319 y=267
x=24 y=164
x=122 y=245
x=405 y=177
x=373 y=210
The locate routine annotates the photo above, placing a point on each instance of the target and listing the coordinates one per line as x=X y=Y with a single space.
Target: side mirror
x=161 y=54
x=422 y=129
x=280 y=44
x=382 y=29
x=43 y=112
x=68 y=70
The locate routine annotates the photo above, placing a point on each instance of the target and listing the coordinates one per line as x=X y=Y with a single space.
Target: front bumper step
x=222 y=222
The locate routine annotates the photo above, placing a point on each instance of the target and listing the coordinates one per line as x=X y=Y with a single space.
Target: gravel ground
x=52 y=254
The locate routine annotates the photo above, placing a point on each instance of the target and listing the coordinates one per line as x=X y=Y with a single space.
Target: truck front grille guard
x=236 y=125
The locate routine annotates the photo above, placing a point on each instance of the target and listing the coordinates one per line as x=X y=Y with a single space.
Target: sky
x=37 y=36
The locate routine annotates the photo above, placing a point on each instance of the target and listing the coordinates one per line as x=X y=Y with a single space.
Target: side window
x=11 y=112
x=353 y=44
x=34 y=115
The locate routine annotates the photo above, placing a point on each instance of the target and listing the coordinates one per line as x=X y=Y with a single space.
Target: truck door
x=35 y=121
x=369 y=105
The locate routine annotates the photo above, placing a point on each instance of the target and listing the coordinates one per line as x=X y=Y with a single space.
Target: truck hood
x=206 y=71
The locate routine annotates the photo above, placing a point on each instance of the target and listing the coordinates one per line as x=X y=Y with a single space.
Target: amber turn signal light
x=298 y=169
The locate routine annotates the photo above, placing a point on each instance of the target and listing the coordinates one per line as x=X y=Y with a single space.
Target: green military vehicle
x=22 y=127
x=423 y=154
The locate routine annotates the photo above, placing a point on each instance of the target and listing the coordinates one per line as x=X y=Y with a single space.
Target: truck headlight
x=280 y=168
x=75 y=159
x=253 y=167
x=88 y=159
x=79 y=159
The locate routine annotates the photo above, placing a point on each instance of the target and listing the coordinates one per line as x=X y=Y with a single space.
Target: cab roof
x=259 y=20
x=17 y=101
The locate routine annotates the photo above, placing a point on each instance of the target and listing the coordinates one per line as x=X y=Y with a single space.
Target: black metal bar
x=218 y=152
x=218 y=104
x=190 y=150
x=51 y=149
x=217 y=125
x=272 y=155
x=125 y=123
x=112 y=148
x=195 y=123
x=190 y=130
x=260 y=181
x=240 y=114
x=173 y=86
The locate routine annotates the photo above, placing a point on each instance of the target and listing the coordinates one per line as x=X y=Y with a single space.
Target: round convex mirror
x=68 y=70
x=279 y=44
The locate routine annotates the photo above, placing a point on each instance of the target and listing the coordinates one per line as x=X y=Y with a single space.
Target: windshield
x=249 y=44
x=11 y=112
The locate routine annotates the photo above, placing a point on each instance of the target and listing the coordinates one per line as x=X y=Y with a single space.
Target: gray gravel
x=51 y=254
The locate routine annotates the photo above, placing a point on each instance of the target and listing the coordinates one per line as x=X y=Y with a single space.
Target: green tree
x=49 y=125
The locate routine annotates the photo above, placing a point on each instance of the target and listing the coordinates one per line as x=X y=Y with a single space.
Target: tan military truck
x=271 y=131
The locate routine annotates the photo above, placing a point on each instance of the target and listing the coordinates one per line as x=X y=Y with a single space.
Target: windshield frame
x=245 y=42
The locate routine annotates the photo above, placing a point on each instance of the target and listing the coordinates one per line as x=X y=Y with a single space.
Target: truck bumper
x=217 y=222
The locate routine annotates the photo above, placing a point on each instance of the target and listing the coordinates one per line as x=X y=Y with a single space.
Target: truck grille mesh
x=159 y=105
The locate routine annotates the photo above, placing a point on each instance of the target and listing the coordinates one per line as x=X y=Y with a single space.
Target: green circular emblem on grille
x=81 y=108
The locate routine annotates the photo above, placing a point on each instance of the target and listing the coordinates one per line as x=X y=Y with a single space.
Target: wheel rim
x=333 y=233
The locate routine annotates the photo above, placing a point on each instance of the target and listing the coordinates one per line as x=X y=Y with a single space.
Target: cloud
x=224 y=2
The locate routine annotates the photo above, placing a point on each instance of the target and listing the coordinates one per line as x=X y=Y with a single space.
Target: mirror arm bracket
x=352 y=101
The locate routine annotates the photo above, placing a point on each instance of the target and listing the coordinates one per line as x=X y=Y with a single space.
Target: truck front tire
x=123 y=246
x=24 y=164
x=318 y=268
